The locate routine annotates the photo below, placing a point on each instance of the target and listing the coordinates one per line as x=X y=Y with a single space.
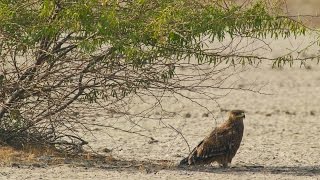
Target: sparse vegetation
x=58 y=57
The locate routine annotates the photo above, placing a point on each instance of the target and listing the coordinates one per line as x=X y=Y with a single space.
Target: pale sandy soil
x=281 y=138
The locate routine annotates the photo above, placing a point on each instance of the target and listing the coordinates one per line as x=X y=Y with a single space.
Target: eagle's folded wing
x=215 y=145
x=209 y=149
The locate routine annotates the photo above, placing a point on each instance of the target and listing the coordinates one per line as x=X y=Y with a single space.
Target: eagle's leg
x=225 y=165
x=229 y=162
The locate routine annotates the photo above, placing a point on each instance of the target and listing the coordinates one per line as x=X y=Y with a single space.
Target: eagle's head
x=236 y=115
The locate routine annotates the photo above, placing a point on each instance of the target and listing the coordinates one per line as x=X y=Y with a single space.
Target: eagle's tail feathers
x=184 y=161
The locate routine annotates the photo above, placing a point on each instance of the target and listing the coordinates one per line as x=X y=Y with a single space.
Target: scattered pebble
x=153 y=141
x=240 y=86
x=312 y=113
x=308 y=67
x=290 y=113
x=187 y=115
x=106 y=150
x=205 y=115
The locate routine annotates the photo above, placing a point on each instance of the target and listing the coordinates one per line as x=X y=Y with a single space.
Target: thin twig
x=185 y=140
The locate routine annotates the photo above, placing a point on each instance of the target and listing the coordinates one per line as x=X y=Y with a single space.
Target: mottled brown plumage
x=222 y=143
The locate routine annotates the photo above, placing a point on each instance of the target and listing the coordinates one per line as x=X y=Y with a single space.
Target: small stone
x=290 y=113
x=240 y=86
x=106 y=150
x=187 y=115
x=308 y=67
x=153 y=141
x=312 y=113
x=205 y=115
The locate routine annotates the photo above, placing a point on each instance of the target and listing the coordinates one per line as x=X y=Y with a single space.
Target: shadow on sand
x=155 y=166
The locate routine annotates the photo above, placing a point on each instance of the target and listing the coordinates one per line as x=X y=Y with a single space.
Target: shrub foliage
x=58 y=56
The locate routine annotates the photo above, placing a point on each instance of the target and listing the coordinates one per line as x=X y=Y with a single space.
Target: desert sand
x=281 y=138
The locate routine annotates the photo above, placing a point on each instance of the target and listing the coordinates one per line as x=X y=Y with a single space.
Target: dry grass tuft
x=27 y=155
x=9 y=155
x=39 y=156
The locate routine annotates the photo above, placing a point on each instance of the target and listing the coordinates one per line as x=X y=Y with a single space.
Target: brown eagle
x=222 y=143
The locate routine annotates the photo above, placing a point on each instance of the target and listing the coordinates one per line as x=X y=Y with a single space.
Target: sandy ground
x=281 y=138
